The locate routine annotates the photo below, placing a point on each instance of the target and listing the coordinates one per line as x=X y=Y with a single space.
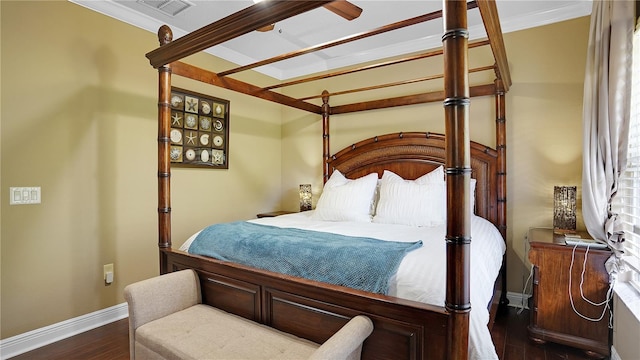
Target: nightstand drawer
x=558 y=293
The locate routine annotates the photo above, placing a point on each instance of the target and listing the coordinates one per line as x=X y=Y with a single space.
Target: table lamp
x=305 y=197
x=564 y=209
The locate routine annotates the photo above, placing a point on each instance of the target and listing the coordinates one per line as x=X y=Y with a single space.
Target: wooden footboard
x=403 y=329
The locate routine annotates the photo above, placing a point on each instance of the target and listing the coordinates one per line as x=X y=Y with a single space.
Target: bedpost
x=458 y=169
x=164 y=166
x=501 y=147
x=325 y=136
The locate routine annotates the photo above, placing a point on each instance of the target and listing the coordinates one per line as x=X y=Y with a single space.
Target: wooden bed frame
x=403 y=329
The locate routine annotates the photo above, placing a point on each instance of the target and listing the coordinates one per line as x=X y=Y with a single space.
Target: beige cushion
x=220 y=335
x=167 y=321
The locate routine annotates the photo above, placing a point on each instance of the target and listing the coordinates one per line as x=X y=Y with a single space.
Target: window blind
x=627 y=201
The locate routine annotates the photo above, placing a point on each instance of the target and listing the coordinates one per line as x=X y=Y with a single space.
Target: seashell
x=205 y=123
x=204 y=156
x=176 y=101
x=206 y=108
x=191 y=121
x=176 y=135
x=175 y=153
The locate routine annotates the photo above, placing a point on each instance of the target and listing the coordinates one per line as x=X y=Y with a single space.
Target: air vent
x=167 y=7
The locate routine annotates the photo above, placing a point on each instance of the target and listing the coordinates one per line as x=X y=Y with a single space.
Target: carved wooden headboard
x=414 y=154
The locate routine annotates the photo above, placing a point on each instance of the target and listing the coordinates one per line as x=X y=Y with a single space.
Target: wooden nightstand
x=552 y=316
x=273 y=213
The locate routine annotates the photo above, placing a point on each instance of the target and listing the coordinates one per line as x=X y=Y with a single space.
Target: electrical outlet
x=108 y=273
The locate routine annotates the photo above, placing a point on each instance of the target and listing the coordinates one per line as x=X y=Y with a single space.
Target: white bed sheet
x=422 y=273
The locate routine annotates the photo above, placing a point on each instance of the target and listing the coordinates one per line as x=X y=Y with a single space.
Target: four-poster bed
x=314 y=310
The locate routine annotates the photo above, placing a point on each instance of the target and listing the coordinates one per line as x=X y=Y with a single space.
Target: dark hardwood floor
x=107 y=342
x=512 y=342
x=112 y=342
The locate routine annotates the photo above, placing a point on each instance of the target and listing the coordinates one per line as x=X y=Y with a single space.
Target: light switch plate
x=24 y=195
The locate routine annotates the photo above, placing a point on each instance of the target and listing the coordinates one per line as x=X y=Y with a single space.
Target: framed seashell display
x=199 y=130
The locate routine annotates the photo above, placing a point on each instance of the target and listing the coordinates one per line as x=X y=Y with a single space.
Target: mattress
x=421 y=275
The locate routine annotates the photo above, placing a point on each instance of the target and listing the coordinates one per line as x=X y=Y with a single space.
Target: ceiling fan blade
x=344 y=8
x=266 y=28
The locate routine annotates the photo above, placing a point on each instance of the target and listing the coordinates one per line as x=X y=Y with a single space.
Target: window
x=627 y=202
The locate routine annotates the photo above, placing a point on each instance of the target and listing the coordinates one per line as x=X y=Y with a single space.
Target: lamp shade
x=305 y=197
x=564 y=208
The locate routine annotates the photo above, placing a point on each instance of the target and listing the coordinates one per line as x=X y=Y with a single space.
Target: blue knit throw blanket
x=356 y=262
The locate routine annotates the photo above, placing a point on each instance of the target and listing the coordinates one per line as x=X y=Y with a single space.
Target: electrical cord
x=605 y=303
x=523 y=291
x=524 y=288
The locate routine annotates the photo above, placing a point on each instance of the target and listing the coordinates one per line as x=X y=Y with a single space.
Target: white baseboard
x=517 y=300
x=34 y=339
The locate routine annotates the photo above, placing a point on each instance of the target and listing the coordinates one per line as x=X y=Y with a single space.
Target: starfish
x=217 y=157
x=191 y=139
x=191 y=105
x=176 y=119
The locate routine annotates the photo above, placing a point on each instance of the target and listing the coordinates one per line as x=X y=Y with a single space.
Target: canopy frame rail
x=242 y=22
x=370 y=66
x=489 y=14
x=257 y=15
x=392 y=84
x=209 y=77
x=380 y=30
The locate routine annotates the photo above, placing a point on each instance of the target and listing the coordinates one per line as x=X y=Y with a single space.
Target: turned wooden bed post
x=489 y=13
x=458 y=169
x=501 y=147
x=325 y=136
x=164 y=166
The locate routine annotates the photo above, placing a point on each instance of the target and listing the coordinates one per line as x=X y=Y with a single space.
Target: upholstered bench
x=168 y=321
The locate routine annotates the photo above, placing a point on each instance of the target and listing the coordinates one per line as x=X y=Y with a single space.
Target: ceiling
x=320 y=26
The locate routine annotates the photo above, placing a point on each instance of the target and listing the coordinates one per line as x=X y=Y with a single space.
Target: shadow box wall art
x=199 y=130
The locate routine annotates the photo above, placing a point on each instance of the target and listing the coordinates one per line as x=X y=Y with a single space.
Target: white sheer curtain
x=607 y=93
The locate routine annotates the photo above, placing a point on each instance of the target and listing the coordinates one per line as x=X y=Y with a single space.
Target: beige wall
x=544 y=131
x=544 y=109
x=79 y=120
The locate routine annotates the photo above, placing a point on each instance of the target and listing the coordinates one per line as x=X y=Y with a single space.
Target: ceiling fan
x=342 y=8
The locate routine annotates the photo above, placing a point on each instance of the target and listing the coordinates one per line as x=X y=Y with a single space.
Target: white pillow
x=420 y=202
x=472 y=190
x=438 y=174
x=434 y=176
x=343 y=199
